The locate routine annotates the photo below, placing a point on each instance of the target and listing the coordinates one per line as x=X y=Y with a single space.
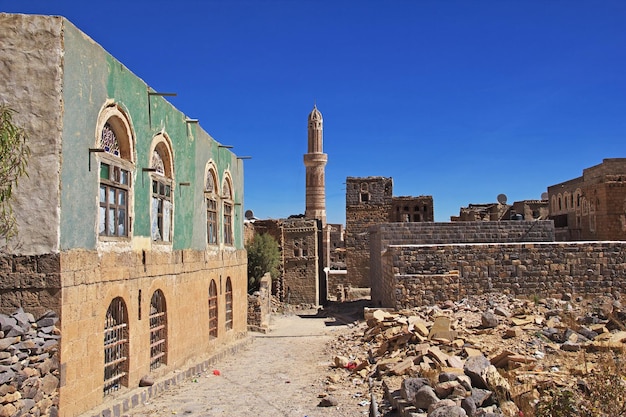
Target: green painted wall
x=90 y=77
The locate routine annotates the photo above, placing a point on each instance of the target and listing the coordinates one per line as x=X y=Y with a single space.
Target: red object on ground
x=216 y=372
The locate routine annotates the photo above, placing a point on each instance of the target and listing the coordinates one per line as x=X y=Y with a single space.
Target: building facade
x=592 y=206
x=130 y=220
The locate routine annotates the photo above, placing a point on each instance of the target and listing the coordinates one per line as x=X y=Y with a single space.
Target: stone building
x=519 y=210
x=370 y=201
x=130 y=223
x=593 y=206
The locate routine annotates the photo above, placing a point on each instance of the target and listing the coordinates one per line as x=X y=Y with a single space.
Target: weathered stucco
x=31 y=80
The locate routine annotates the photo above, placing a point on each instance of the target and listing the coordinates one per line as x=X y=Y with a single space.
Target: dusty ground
x=282 y=373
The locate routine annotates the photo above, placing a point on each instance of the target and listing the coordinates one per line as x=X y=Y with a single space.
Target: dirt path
x=282 y=373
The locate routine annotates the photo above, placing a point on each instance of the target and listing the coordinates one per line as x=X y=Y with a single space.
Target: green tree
x=263 y=257
x=14 y=153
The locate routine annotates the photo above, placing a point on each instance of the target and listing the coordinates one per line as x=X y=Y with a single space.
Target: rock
x=146 y=381
x=488 y=320
x=444 y=389
x=475 y=367
x=341 y=361
x=448 y=411
x=424 y=397
x=497 y=383
x=410 y=386
x=570 y=346
x=328 y=401
x=469 y=406
x=49 y=383
x=7 y=410
x=501 y=311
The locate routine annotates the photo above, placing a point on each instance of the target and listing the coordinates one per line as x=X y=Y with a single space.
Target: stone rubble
x=482 y=356
x=29 y=366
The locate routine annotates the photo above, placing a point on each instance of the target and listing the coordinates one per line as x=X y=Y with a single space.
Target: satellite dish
x=502 y=198
x=544 y=196
x=249 y=215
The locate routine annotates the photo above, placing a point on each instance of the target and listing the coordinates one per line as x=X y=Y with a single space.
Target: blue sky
x=461 y=100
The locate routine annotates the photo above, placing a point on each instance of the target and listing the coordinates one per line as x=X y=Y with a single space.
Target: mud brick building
x=593 y=206
x=130 y=223
x=370 y=201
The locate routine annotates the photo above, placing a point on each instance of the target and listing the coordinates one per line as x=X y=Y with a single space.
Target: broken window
x=229 y=304
x=115 y=346
x=212 y=309
x=365 y=197
x=228 y=213
x=161 y=203
x=158 y=330
x=114 y=186
x=210 y=192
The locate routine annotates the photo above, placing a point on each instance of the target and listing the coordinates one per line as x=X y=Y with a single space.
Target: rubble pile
x=482 y=356
x=29 y=366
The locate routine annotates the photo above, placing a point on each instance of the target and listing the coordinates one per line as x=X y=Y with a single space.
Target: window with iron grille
x=158 y=330
x=113 y=218
x=115 y=346
x=212 y=309
x=229 y=304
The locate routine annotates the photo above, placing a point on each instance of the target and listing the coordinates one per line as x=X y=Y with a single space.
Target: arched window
x=115 y=140
x=227 y=195
x=161 y=204
x=158 y=330
x=115 y=346
x=212 y=309
x=229 y=304
x=211 y=197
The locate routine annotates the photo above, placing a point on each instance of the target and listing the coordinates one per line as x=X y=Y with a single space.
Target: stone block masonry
x=419 y=274
x=386 y=234
x=29 y=364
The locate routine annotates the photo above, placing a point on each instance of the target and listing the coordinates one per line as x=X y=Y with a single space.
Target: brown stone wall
x=422 y=274
x=30 y=282
x=91 y=280
x=259 y=306
x=383 y=235
x=368 y=202
x=300 y=251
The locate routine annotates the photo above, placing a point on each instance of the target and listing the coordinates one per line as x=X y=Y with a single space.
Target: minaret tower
x=315 y=163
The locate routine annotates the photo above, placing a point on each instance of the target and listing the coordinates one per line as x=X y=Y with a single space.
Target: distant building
x=593 y=206
x=493 y=212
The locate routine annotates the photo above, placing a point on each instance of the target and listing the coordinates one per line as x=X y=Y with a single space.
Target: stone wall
x=418 y=274
x=30 y=282
x=300 y=251
x=383 y=235
x=29 y=364
x=259 y=306
x=368 y=202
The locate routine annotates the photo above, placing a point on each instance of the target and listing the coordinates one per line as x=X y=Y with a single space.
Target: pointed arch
x=115 y=137
x=162 y=185
x=211 y=197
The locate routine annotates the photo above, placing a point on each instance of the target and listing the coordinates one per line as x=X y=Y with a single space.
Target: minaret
x=315 y=163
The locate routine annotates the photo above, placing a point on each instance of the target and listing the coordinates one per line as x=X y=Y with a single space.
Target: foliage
x=602 y=394
x=557 y=403
x=263 y=257
x=14 y=153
